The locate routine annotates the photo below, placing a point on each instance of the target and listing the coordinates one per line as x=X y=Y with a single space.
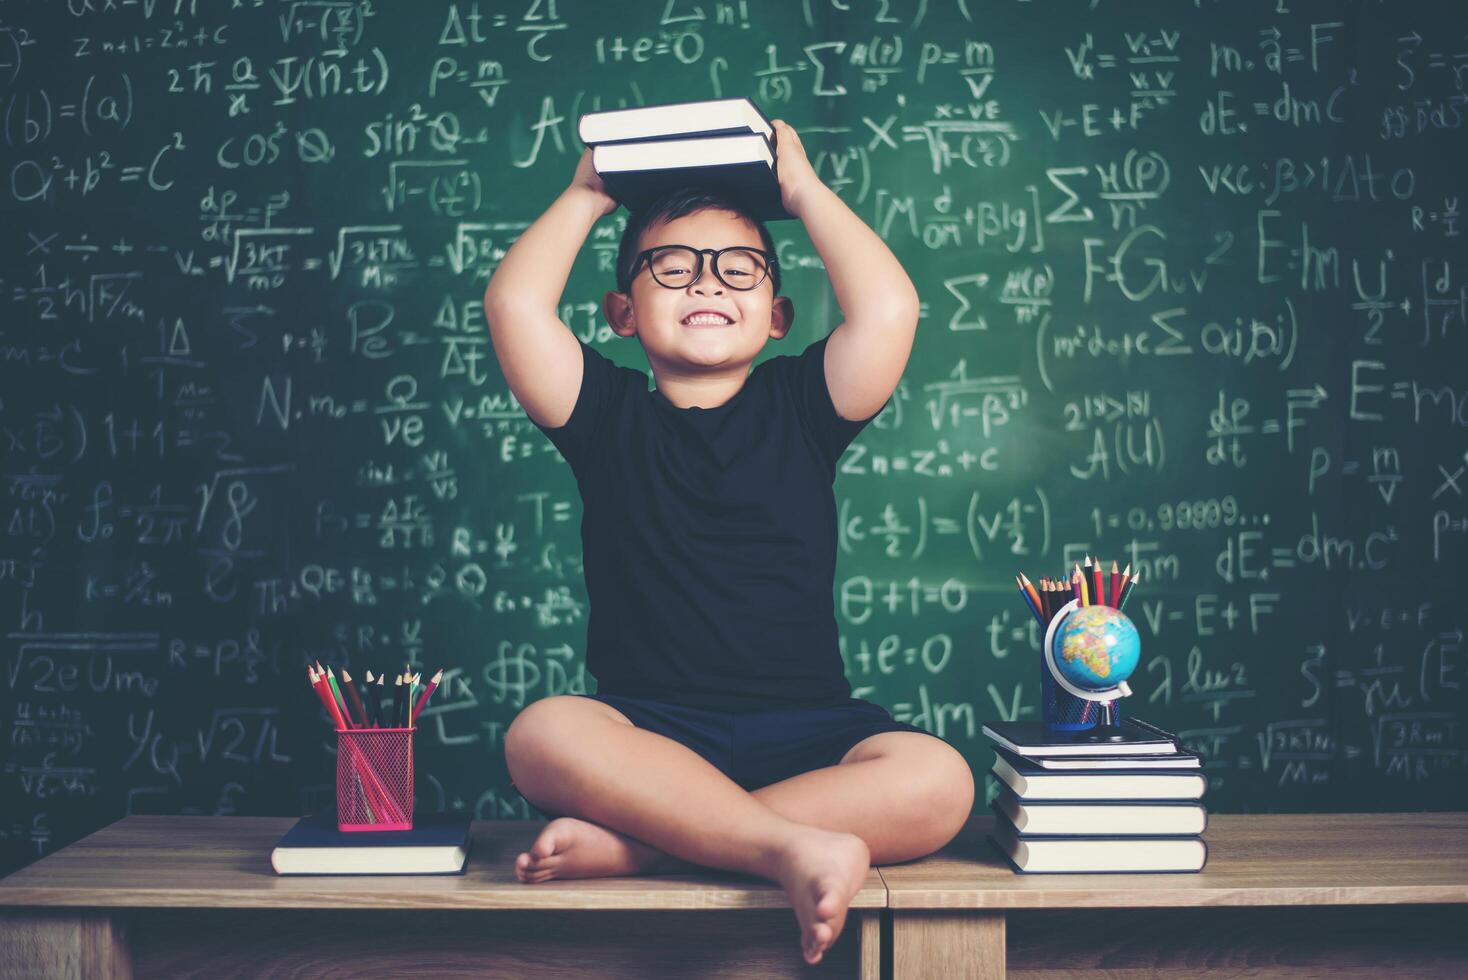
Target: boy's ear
x=782 y=315
x=618 y=309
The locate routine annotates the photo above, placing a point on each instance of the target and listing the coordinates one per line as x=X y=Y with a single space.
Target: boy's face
x=656 y=314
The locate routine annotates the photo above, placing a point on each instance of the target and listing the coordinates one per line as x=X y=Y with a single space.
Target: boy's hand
x=586 y=177
x=792 y=167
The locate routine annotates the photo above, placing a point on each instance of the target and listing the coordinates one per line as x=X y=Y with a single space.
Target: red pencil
x=423 y=698
x=346 y=682
x=329 y=701
x=316 y=686
x=339 y=697
x=1115 y=587
x=311 y=675
x=1100 y=586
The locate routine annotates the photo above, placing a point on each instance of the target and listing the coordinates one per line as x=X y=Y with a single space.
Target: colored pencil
x=1126 y=593
x=341 y=701
x=1100 y=591
x=1029 y=590
x=1115 y=587
x=427 y=692
x=346 y=681
x=397 y=702
x=1024 y=593
x=311 y=675
x=330 y=686
x=373 y=704
x=324 y=692
x=316 y=680
x=374 y=698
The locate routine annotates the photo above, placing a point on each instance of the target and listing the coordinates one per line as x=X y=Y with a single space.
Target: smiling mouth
x=708 y=320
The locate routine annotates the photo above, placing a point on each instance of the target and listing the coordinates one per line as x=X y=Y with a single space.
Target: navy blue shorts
x=759 y=748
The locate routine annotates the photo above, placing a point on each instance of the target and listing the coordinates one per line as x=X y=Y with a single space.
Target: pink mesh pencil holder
x=374 y=779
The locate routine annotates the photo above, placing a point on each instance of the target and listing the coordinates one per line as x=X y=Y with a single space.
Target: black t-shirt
x=709 y=535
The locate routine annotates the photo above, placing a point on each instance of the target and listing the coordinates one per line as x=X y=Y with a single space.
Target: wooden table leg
x=931 y=943
x=46 y=943
x=870 y=923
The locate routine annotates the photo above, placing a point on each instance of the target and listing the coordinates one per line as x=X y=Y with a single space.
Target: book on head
x=438 y=844
x=706 y=117
x=740 y=166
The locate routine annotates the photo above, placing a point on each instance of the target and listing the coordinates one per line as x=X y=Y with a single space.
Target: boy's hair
x=677 y=203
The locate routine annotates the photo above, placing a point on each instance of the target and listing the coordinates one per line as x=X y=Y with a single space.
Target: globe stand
x=1107 y=731
x=1064 y=691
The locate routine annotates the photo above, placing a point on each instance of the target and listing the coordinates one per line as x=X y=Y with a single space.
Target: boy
x=723 y=732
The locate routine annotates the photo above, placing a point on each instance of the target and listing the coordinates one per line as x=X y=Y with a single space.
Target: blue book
x=438 y=844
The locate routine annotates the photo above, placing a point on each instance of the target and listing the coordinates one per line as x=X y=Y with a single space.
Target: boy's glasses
x=679 y=266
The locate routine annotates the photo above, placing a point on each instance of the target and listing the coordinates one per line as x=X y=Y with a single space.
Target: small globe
x=1097 y=647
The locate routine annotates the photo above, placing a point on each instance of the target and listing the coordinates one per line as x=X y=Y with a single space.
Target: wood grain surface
x=224 y=862
x=1253 y=859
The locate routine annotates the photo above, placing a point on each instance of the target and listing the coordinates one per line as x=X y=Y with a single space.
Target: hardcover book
x=1096 y=855
x=438 y=844
x=1029 y=782
x=1035 y=738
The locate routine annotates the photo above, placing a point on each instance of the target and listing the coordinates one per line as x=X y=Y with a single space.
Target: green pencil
x=331 y=678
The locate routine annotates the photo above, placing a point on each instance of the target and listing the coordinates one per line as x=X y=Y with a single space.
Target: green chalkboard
x=1195 y=297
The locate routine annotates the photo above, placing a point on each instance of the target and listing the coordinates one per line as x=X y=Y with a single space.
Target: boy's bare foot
x=821 y=871
x=572 y=848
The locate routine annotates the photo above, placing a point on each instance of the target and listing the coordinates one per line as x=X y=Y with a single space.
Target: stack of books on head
x=727 y=145
x=1067 y=805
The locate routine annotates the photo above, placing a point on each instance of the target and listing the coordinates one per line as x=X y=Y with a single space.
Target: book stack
x=1066 y=805
x=727 y=145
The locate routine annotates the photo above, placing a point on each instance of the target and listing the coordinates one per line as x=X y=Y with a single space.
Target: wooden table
x=153 y=896
x=1337 y=895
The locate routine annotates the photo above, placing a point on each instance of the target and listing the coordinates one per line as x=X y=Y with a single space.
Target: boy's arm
x=539 y=355
x=866 y=355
